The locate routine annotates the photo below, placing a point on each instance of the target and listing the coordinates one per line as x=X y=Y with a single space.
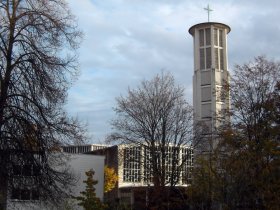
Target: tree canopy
x=111 y=179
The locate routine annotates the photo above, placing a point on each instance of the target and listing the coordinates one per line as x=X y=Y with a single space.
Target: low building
x=133 y=166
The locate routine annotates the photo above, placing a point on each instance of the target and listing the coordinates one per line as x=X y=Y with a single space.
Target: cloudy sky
x=126 y=41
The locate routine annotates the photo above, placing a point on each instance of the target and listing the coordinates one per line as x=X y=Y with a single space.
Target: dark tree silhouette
x=38 y=41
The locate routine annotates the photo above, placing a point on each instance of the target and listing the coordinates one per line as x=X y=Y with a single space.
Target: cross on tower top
x=208 y=10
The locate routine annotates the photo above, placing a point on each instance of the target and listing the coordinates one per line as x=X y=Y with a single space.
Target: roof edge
x=191 y=30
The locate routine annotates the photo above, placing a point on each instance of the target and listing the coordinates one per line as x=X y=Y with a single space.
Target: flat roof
x=205 y=24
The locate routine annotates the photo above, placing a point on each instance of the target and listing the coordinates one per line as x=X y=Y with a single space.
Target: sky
x=127 y=41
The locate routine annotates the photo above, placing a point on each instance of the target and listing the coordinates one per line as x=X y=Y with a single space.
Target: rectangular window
x=17 y=170
x=221 y=37
x=35 y=194
x=201 y=37
x=216 y=58
x=187 y=167
x=222 y=64
x=216 y=37
x=26 y=170
x=25 y=194
x=148 y=178
x=15 y=193
x=36 y=170
x=202 y=59
x=208 y=36
x=208 y=58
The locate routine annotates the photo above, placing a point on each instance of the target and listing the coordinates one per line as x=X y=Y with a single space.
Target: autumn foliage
x=111 y=179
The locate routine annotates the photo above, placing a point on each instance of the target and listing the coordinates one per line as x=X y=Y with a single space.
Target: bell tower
x=210 y=73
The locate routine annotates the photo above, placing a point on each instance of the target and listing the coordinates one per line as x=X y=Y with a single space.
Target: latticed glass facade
x=187 y=154
x=131 y=166
x=137 y=164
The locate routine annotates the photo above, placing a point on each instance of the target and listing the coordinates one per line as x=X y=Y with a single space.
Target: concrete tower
x=210 y=72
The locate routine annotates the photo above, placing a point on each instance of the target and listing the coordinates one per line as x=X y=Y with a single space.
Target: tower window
x=201 y=37
x=208 y=57
x=205 y=58
x=208 y=36
x=202 y=58
x=216 y=58
x=216 y=37
x=205 y=49
x=222 y=66
x=220 y=38
x=219 y=51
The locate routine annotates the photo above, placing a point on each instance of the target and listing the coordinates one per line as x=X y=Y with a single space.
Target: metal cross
x=208 y=10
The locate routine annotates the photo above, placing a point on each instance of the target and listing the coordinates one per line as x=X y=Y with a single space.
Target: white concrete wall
x=80 y=163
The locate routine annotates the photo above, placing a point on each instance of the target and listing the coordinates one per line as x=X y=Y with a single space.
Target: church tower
x=210 y=73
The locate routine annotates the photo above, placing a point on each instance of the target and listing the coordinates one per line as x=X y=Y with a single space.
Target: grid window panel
x=187 y=154
x=216 y=58
x=15 y=193
x=202 y=58
x=221 y=38
x=222 y=64
x=27 y=170
x=35 y=194
x=201 y=37
x=131 y=171
x=147 y=166
x=216 y=37
x=17 y=170
x=208 y=58
x=208 y=36
x=25 y=194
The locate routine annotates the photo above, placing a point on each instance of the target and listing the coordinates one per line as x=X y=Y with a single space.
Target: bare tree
x=38 y=42
x=156 y=117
